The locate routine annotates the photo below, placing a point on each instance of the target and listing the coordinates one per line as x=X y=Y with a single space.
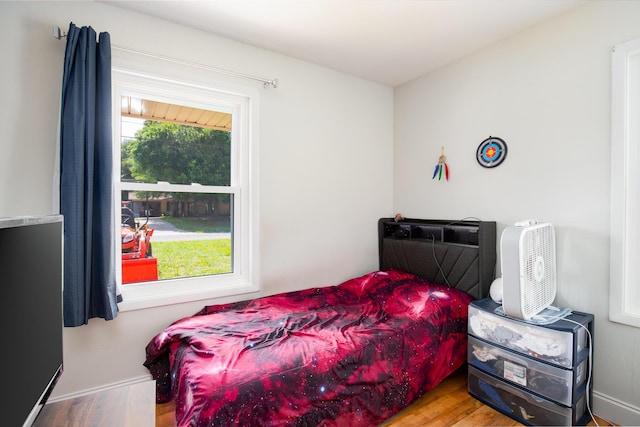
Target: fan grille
x=538 y=269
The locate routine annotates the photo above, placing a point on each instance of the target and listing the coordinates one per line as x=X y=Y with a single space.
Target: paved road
x=164 y=231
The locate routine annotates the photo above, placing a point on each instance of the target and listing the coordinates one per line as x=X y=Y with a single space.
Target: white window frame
x=624 y=281
x=185 y=85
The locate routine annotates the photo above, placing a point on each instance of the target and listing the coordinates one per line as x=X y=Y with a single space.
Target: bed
x=351 y=354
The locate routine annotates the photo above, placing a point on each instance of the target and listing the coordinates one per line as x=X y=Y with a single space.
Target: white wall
x=546 y=92
x=325 y=168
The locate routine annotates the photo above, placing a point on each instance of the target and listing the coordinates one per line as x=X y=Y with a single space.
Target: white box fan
x=528 y=259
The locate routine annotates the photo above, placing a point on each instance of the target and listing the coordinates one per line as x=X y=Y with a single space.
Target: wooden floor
x=448 y=405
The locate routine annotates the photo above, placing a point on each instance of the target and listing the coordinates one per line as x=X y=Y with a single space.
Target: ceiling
x=386 y=41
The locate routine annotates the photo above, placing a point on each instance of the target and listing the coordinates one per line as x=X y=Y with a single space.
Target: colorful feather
x=441 y=167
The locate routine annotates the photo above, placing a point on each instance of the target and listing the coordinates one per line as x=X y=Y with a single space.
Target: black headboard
x=464 y=251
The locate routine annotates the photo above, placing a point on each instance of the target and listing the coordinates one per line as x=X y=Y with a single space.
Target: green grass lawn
x=192 y=258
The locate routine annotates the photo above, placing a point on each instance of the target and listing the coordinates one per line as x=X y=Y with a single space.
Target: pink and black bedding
x=352 y=354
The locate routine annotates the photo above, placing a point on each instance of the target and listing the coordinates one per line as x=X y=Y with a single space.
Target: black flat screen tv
x=31 y=316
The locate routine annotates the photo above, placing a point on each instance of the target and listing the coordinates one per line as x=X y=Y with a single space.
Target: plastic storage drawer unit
x=561 y=343
x=553 y=382
x=523 y=406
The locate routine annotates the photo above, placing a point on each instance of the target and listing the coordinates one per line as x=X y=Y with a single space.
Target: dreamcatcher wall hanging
x=442 y=168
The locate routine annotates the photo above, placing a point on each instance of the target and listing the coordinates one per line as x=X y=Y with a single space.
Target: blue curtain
x=86 y=197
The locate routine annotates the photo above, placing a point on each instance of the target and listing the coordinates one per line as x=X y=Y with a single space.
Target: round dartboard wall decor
x=491 y=152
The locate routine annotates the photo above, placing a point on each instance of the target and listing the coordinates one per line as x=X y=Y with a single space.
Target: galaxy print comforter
x=347 y=355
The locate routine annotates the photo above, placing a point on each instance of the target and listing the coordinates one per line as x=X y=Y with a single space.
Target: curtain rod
x=59 y=34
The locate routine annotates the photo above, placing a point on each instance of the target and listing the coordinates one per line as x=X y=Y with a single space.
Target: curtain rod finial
x=273 y=83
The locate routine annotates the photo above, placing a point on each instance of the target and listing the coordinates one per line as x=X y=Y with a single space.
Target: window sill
x=618 y=314
x=155 y=294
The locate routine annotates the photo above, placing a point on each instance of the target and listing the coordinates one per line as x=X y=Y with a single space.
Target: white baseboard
x=615 y=411
x=101 y=388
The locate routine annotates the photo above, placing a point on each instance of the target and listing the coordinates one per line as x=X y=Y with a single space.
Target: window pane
x=176 y=144
x=175 y=235
x=145 y=98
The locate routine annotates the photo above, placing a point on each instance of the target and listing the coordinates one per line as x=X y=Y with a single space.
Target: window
x=624 y=287
x=186 y=181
